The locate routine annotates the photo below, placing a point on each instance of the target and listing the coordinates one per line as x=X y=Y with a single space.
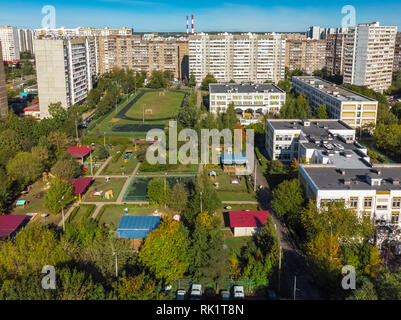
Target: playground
x=104 y=190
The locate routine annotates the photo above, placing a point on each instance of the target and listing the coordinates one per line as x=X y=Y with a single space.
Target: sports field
x=156 y=105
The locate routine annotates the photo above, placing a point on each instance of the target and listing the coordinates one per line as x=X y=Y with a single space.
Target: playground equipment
x=108 y=194
x=234 y=181
x=21 y=203
x=97 y=193
x=212 y=174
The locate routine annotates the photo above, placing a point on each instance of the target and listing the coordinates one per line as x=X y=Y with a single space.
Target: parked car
x=181 y=295
x=196 y=291
x=225 y=295
x=239 y=292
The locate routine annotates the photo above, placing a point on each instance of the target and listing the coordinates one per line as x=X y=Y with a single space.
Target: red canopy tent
x=80 y=185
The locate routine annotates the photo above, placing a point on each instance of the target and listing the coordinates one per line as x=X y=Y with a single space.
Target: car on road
x=196 y=291
x=181 y=295
x=225 y=295
x=238 y=292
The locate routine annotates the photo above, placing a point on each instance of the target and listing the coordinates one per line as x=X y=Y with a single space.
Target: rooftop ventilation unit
x=395 y=181
x=347 y=182
x=306 y=123
x=342 y=171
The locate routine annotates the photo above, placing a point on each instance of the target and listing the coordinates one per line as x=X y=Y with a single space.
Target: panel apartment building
x=25 y=40
x=137 y=54
x=10 y=43
x=353 y=108
x=249 y=100
x=373 y=192
x=397 y=53
x=335 y=48
x=307 y=55
x=369 y=55
x=3 y=92
x=241 y=57
x=65 y=69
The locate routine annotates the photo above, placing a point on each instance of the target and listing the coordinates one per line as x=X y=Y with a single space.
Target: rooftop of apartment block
x=243 y=88
x=309 y=126
x=328 y=177
x=333 y=90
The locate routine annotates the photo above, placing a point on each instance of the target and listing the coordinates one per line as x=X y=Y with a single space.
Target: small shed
x=10 y=224
x=247 y=223
x=20 y=203
x=79 y=152
x=137 y=227
x=80 y=185
x=231 y=161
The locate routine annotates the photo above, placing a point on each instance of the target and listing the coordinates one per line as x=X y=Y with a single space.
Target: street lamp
x=62 y=212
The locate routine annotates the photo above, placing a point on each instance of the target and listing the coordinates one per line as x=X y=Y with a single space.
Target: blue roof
x=137 y=227
x=235 y=158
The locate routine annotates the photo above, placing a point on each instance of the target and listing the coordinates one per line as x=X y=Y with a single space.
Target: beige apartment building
x=241 y=57
x=132 y=52
x=369 y=55
x=397 y=53
x=65 y=71
x=307 y=55
x=3 y=92
x=335 y=47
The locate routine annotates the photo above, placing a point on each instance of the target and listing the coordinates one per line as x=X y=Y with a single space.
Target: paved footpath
x=102 y=167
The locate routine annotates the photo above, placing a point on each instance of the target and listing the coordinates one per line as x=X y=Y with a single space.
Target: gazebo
x=80 y=185
x=79 y=152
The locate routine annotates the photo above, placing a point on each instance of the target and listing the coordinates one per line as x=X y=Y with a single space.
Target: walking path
x=68 y=213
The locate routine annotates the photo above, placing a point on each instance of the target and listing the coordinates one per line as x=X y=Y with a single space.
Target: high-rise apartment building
x=25 y=40
x=397 y=53
x=352 y=108
x=242 y=58
x=65 y=69
x=133 y=52
x=318 y=33
x=3 y=92
x=335 y=47
x=80 y=32
x=369 y=55
x=10 y=43
x=307 y=55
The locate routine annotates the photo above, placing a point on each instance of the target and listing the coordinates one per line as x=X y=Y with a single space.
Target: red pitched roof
x=244 y=219
x=79 y=152
x=10 y=223
x=80 y=184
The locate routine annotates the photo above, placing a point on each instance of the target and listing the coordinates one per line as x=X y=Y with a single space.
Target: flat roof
x=332 y=89
x=317 y=126
x=243 y=88
x=328 y=177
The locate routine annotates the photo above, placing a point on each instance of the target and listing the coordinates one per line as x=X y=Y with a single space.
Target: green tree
x=207 y=80
x=165 y=251
x=139 y=287
x=284 y=85
x=25 y=168
x=27 y=68
x=230 y=117
x=188 y=115
x=321 y=112
x=158 y=191
x=288 y=199
x=66 y=169
x=100 y=152
x=157 y=80
x=59 y=195
x=178 y=197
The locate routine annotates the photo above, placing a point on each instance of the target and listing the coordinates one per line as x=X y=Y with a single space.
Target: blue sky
x=210 y=15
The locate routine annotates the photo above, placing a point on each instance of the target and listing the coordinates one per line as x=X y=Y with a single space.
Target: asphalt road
x=293 y=260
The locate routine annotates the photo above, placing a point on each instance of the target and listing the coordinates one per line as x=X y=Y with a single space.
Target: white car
x=196 y=290
x=239 y=292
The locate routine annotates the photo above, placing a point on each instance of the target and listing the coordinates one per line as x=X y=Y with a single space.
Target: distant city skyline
x=169 y=16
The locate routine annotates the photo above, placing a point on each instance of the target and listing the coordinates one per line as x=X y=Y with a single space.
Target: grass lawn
x=116 y=168
x=236 y=196
x=34 y=204
x=111 y=214
x=162 y=106
x=235 y=244
x=83 y=210
x=114 y=184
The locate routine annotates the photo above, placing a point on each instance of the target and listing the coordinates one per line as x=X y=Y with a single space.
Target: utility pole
x=76 y=129
x=254 y=174
x=279 y=273
x=62 y=212
x=295 y=286
x=91 y=164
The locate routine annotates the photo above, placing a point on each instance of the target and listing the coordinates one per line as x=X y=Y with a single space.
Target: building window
x=381 y=207
x=367 y=215
x=353 y=203
x=395 y=218
x=367 y=203
x=396 y=202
